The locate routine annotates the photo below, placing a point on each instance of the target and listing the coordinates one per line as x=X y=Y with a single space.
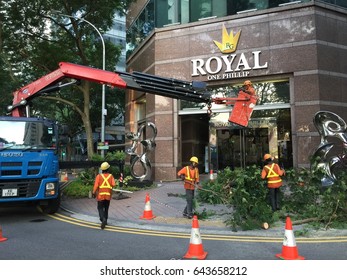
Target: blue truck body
x=29 y=165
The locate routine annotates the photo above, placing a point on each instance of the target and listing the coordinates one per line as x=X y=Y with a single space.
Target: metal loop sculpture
x=328 y=125
x=148 y=145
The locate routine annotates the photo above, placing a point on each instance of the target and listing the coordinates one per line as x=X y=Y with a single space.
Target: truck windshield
x=27 y=135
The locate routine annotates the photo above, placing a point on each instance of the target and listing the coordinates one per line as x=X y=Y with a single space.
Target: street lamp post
x=103 y=105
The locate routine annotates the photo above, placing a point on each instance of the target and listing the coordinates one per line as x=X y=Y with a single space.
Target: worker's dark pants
x=188 y=210
x=103 y=206
x=274 y=198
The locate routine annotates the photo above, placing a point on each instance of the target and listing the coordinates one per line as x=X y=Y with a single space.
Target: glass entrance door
x=241 y=147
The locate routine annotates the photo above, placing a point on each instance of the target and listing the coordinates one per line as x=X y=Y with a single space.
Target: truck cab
x=29 y=162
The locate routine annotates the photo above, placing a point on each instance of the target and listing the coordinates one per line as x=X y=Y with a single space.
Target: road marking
x=216 y=237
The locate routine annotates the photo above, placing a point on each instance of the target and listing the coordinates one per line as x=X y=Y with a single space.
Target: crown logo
x=229 y=41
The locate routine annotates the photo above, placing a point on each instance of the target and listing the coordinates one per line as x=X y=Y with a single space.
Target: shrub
x=245 y=191
x=303 y=198
x=77 y=189
x=310 y=201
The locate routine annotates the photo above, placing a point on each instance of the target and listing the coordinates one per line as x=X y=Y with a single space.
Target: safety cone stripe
x=148 y=206
x=195 y=237
x=289 y=239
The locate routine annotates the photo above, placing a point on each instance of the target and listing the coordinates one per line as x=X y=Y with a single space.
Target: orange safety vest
x=105 y=189
x=273 y=178
x=189 y=179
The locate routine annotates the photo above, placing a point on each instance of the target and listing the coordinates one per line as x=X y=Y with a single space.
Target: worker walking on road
x=190 y=175
x=272 y=172
x=103 y=185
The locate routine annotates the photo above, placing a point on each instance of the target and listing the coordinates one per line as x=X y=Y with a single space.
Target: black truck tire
x=51 y=206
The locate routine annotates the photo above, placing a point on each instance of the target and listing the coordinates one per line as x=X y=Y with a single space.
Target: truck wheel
x=52 y=206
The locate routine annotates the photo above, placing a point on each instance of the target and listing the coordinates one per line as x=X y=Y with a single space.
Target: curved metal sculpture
x=329 y=124
x=148 y=145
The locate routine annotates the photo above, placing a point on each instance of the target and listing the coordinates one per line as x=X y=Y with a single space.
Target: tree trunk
x=304 y=221
x=86 y=119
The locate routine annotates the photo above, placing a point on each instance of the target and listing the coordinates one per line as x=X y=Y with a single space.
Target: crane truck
x=29 y=164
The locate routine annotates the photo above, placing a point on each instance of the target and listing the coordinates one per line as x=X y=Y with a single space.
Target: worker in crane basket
x=248 y=88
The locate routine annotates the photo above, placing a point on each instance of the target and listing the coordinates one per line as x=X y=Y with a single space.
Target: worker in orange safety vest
x=272 y=172
x=102 y=190
x=190 y=175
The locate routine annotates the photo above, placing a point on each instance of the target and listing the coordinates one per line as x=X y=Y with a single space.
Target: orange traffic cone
x=1 y=237
x=195 y=250
x=121 y=180
x=211 y=175
x=289 y=249
x=66 y=178
x=147 y=213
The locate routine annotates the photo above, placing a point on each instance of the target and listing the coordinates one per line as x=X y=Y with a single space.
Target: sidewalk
x=167 y=204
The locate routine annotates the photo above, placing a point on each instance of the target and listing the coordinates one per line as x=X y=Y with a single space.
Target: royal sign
x=228 y=66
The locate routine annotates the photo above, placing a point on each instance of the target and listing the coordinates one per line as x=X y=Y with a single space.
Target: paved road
x=35 y=236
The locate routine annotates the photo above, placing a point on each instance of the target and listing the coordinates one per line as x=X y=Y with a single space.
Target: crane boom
x=193 y=91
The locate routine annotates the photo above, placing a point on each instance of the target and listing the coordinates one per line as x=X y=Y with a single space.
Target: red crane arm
x=191 y=91
x=50 y=82
x=92 y=74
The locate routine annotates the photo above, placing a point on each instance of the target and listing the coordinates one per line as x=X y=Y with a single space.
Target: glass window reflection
x=160 y=13
x=276 y=92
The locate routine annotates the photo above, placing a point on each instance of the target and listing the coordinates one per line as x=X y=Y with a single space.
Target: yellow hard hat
x=267 y=156
x=105 y=166
x=194 y=159
x=247 y=83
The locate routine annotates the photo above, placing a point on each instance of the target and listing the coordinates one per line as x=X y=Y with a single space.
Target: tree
x=8 y=80
x=34 y=38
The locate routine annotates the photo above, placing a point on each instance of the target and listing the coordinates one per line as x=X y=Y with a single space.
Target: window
x=269 y=93
x=140 y=28
x=342 y=3
x=207 y=8
x=160 y=13
x=140 y=110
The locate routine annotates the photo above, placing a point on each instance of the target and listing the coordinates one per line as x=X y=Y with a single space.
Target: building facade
x=117 y=36
x=292 y=52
